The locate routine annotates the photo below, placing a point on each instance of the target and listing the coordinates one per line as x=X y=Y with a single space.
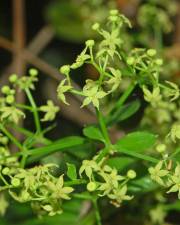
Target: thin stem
x=138 y=155
x=23 y=107
x=124 y=96
x=103 y=70
x=158 y=37
x=35 y=111
x=102 y=154
x=75 y=182
x=98 y=217
x=22 y=130
x=11 y=137
x=2 y=178
x=82 y=196
x=93 y=63
x=103 y=127
x=24 y=158
x=76 y=92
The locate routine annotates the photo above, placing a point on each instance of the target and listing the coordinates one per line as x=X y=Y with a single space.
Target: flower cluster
x=157 y=14
x=108 y=48
x=106 y=182
x=38 y=186
x=167 y=178
x=12 y=112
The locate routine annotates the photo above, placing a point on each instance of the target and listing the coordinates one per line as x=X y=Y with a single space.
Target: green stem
x=124 y=96
x=93 y=63
x=82 y=196
x=158 y=37
x=24 y=107
x=75 y=182
x=24 y=158
x=138 y=155
x=35 y=111
x=102 y=154
x=2 y=178
x=103 y=127
x=76 y=92
x=98 y=217
x=21 y=130
x=11 y=137
x=103 y=70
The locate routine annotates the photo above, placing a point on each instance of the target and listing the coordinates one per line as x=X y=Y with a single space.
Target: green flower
x=173 y=91
x=88 y=166
x=153 y=97
x=110 y=43
x=52 y=209
x=93 y=95
x=26 y=82
x=119 y=195
x=111 y=181
x=58 y=190
x=11 y=113
x=62 y=88
x=157 y=215
x=81 y=59
x=175 y=132
x=157 y=173
x=50 y=111
x=65 y=69
x=175 y=180
x=115 y=80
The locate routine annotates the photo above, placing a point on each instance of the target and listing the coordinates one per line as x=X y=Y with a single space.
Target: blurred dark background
x=46 y=34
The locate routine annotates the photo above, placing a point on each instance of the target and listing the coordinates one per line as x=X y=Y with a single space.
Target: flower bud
x=13 y=78
x=113 y=12
x=151 y=52
x=12 y=92
x=4 y=140
x=130 y=61
x=91 y=186
x=131 y=174
x=95 y=26
x=33 y=72
x=10 y=99
x=159 y=62
x=113 y=18
x=48 y=208
x=15 y=182
x=6 y=171
x=5 y=89
x=25 y=196
x=161 y=148
x=65 y=69
x=90 y=43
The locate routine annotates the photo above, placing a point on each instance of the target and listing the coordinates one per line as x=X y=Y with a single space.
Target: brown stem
x=19 y=38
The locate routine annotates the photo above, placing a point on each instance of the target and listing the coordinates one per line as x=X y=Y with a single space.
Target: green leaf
x=93 y=133
x=71 y=172
x=138 y=155
x=175 y=155
x=120 y=162
x=143 y=184
x=123 y=113
x=84 y=151
x=136 y=141
x=173 y=206
x=60 y=145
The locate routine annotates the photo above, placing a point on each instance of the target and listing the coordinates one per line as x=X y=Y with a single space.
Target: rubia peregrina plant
x=102 y=175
